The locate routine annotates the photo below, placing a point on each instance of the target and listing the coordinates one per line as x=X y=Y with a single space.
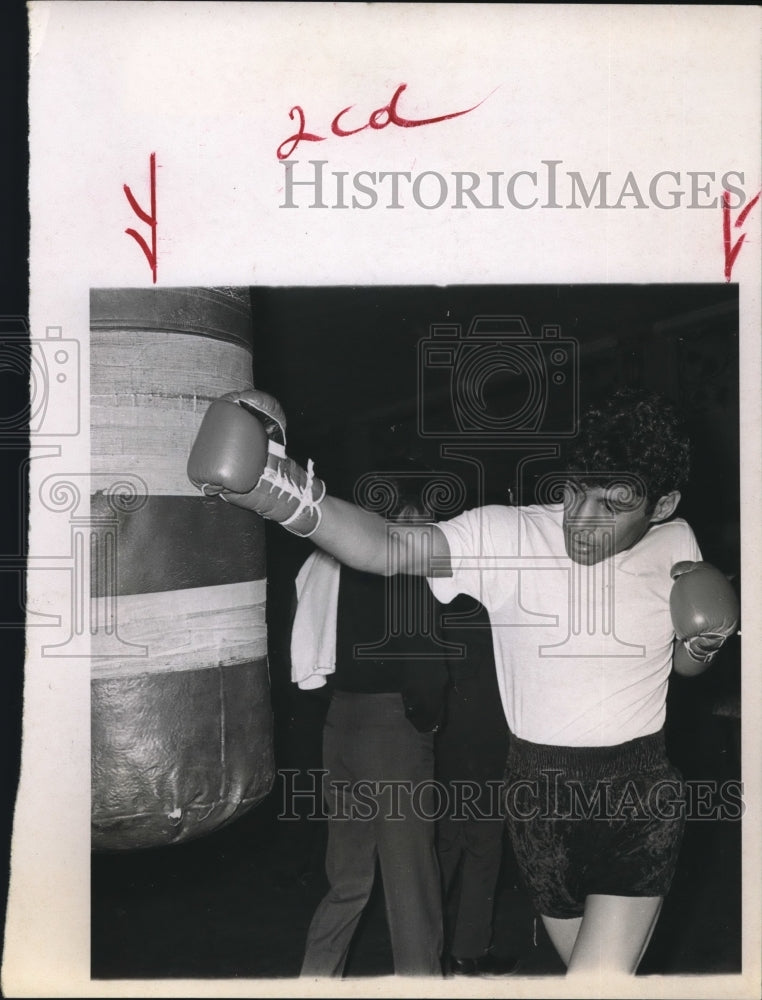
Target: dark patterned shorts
x=585 y=820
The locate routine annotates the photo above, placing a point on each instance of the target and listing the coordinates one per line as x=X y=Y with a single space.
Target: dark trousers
x=475 y=846
x=471 y=752
x=367 y=742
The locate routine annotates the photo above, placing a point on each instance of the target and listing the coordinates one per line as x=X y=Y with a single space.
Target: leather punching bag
x=181 y=723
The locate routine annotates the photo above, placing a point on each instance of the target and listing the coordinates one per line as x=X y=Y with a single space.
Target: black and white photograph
x=388 y=527
x=303 y=762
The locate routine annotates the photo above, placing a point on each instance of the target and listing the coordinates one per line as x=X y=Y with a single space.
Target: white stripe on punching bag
x=181 y=629
x=148 y=394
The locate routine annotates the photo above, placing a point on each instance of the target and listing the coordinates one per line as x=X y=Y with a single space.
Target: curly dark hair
x=637 y=433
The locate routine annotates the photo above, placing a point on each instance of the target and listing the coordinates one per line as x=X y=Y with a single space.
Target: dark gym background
x=344 y=363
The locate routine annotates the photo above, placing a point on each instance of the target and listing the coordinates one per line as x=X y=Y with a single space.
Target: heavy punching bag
x=181 y=723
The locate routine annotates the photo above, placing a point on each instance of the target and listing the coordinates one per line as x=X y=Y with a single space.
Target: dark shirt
x=386 y=642
x=473 y=743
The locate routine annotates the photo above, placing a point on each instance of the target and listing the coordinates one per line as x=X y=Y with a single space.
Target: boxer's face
x=601 y=520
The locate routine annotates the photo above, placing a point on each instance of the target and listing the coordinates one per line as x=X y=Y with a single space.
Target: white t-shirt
x=583 y=653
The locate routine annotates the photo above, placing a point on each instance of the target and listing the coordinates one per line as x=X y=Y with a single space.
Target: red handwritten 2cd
x=378 y=119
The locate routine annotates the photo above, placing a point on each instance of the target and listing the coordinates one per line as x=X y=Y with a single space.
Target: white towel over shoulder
x=313 y=637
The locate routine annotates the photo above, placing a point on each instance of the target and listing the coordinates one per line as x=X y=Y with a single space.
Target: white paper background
x=208 y=88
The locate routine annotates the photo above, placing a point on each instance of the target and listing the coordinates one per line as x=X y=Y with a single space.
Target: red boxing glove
x=240 y=454
x=230 y=450
x=704 y=608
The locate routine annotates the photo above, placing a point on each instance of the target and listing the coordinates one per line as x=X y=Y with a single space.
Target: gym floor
x=238 y=902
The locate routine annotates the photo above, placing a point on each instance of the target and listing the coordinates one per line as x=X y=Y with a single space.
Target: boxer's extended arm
x=240 y=455
x=367 y=542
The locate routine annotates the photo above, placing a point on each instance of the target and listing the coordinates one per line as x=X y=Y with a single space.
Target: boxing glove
x=240 y=454
x=704 y=608
x=230 y=450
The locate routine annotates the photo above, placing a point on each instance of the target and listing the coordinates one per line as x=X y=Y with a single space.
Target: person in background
x=370 y=639
x=471 y=748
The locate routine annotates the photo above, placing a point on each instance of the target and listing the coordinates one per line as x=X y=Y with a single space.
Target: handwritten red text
x=148 y=217
x=733 y=249
x=378 y=119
